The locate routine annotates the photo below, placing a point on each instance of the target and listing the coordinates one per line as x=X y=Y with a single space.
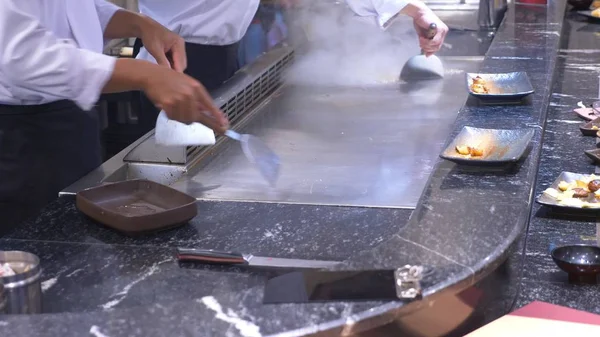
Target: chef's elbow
x=37 y=69
x=67 y=73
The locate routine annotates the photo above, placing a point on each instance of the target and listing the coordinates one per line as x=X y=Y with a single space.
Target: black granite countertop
x=563 y=146
x=467 y=222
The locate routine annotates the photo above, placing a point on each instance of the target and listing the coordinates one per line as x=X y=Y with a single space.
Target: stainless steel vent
x=250 y=96
x=237 y=98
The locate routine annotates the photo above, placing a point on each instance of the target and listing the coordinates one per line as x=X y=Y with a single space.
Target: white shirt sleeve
x=33 y=60
x=105 y=10
x=384 y=10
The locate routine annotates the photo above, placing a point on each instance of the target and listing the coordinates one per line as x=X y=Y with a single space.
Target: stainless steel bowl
x=22 y=291
x=3 y=300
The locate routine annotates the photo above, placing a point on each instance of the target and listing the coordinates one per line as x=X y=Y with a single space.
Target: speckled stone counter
x=467 y=223
x=563 y=145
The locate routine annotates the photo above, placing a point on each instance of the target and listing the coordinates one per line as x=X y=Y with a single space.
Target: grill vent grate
x=249 y=98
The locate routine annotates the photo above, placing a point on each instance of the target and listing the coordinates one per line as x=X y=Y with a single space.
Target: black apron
x=211 y=65
x=43 y=149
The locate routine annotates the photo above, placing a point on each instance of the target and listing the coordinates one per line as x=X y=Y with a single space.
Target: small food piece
x=478 y=80
x=476 y=152
x=573 y=202
x=563 y=186
x=596 y=13
x=469 y=150
x=479 y=86
x=595 y=4
x=566 y=195
x=580 y=192
x=581 y=184
x=595 y=128
x=594 y=185
x=552 y=193
x=462 y=149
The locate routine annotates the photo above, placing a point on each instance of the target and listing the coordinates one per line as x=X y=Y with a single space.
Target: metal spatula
x=421 y=67
x=259 y=154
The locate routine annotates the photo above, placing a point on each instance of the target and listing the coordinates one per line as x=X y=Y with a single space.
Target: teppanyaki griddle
x=137 y=206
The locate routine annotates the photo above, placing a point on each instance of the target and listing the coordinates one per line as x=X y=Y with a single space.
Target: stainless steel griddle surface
x=372 y=146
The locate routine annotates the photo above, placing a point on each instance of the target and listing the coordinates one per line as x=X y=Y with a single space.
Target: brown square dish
x=137 y=206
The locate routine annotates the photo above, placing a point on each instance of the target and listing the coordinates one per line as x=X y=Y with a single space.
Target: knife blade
x=359 y=285
x=210 y=256
x=317 y=286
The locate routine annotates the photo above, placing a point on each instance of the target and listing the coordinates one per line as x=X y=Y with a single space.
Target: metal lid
x=25 y=265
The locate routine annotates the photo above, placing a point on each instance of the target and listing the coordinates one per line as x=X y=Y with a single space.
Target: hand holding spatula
x=423 y=67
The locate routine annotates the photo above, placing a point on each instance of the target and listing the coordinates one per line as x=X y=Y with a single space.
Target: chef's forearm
x=126 y=24
x=414 y=9
x=128 y=75
x=387 y=10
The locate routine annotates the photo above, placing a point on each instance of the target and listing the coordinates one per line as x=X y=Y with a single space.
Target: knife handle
x=431 y=31
x=210 y=256
x=430 y=34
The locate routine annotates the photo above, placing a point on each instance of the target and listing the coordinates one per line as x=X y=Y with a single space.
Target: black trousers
x=211 y=65
x=43 y=149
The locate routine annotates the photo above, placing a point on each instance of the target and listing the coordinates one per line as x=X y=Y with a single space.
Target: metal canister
x=3 y=300
x=23 y=291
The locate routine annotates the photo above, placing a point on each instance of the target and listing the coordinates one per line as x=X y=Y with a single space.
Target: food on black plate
x=582 y=193
x=594 y=185
x=479 y=86
x=579 y=192
x=469 y=150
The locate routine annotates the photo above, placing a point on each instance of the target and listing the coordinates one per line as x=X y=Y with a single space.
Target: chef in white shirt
x=52 y=72
x=212 y=30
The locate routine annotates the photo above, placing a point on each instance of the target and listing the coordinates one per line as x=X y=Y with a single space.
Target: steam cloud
x=341 y=49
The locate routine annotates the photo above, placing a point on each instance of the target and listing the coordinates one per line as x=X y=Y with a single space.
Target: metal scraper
x=421 y=67
x=259 y=154
x=342 y=286
x=172 y=133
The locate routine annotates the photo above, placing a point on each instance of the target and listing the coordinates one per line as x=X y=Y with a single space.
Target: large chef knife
x=210 y=256
x=362 y=285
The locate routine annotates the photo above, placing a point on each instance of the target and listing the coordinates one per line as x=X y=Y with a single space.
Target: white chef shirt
x=223 y=22
x=209 y=22
x=52 y=50
x=385 y=11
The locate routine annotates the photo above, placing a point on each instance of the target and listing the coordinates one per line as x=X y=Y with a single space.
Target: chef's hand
x=183 y=99
x=422 y=19
x=165 y=46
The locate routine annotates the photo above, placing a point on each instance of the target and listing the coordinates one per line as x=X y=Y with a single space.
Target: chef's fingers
x=207 y=119
x=178 y=56
x=429 y=46
x=162 y=59
x=218 y=120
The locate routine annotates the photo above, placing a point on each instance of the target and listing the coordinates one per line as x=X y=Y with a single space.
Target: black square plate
x=499 y=146
x=569 y=177
x=506 y=87
x=588 y=13
x=594 y=155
